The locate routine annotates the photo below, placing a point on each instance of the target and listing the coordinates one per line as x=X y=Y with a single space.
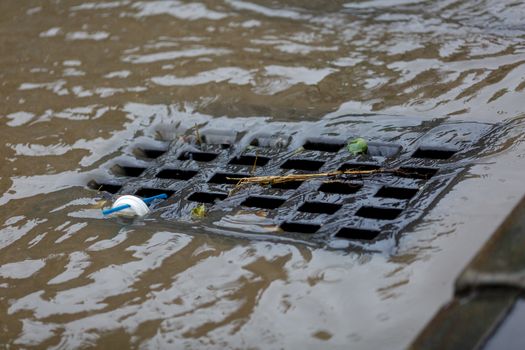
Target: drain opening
x=198 y=156
x=287 y=185
x=130 y=171
x=299 y=227
x=302 y=164
x=104 y=187
x=263 y=202
x=276 y=141
x=221 y=138
x=433 y=153
x=151 y=153
x=150 y=192
x=323 y=146
x=359 y=167
x=319 y=207
x=207 y=197
x=256 y=142
x=417 y=173
x=250 y=160
x=396 y=192
x=177 y=174
x=226 y=178
x=378 y=213
x=357 y=233
x=361 y=208
x=340 y=187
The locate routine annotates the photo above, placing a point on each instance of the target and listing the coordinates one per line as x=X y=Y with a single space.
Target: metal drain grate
x=362 y=209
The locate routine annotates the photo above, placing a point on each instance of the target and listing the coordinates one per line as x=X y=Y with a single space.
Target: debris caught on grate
x=404 y=171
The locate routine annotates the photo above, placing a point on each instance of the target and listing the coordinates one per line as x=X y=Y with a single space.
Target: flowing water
x=80 y=81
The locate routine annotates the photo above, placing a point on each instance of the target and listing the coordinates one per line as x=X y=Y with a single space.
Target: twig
x=198 y=135
x=274 y=179
x=255 y=162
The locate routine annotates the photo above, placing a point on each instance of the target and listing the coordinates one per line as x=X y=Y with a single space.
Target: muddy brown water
x=80 y=81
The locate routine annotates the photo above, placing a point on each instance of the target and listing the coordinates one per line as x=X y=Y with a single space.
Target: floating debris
x=199 y=211
x=357 y=146
x=132 y=205
x=275 y=179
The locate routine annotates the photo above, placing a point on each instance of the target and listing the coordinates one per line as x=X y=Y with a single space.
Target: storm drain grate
x=205 y=169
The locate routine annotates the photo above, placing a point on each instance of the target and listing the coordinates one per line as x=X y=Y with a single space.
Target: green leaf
x=199 y=211
x=357 y=146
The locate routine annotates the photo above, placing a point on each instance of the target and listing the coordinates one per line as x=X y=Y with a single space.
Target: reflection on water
x=79 y=81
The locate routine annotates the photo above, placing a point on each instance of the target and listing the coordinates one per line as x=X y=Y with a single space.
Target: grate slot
x=323 y=146
x=417 y=172
x=152 y=153
x=378 y=213
x=150 y=192
x=320 y=207
x=299 y=227
x=379 y=149
x=288 y=185
x=130 y=171
x=176 y=174
x=340 y=187
x=221 y=138
x=198 y=156
x=263 y=202
x=357 y=233
x=271 y=141
x=359 y=166
x=396 y=192
x=250 y=160
x=256 y=142
x=104 y=187
x=302 y=164
x=206 y=197
x=433 y=153
x=223 y=178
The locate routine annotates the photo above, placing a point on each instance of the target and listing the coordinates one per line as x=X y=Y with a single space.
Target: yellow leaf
x=199 y=211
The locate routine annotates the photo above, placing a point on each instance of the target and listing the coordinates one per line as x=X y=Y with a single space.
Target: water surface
x=81 y=81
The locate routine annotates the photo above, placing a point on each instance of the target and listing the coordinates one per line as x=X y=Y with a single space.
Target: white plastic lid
x=136 y=206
